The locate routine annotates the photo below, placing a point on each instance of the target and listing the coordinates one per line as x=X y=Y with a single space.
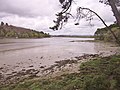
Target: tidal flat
x=27 y=58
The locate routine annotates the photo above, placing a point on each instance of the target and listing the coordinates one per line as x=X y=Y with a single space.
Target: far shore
x=74 y=36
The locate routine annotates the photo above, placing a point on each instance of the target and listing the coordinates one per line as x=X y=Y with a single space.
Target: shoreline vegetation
x=10 y=31
x=103 y=34
x=87 y=72
x=74 y=36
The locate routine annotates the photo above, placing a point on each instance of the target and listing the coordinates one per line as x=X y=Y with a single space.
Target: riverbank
x=88 y=72
x=105 y=35
x=49 y=59
x=57 y=69
x=10 y=31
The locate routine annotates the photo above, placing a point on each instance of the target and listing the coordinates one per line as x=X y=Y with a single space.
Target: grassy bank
x=97 y=74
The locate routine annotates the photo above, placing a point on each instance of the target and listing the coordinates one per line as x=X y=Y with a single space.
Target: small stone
x=41 y=57
x=31 y=66
x=42 y=67
x=1 y=68
x=23 y=70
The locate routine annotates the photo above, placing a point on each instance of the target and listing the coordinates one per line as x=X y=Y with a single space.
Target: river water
x=27 y=53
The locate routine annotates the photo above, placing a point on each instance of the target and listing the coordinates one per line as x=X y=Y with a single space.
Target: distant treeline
x=76 y=36
x=9 y=31
x=105 y=35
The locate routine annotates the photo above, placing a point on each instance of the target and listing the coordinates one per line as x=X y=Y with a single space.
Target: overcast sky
x=39 y=15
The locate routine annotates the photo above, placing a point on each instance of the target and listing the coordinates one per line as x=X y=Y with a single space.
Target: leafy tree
x=2 y=33
x=6 y=24
x=24 y=35
x=2 y=23
x=64 y=15
x=10 y=34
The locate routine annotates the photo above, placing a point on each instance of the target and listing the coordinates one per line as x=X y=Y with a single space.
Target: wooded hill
x=105 y=35
x=10 y=31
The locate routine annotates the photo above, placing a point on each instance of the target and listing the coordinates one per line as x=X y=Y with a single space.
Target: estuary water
x=26 y=53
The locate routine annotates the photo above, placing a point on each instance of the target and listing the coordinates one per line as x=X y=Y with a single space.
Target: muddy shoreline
x=59 y=68
x=52 y=59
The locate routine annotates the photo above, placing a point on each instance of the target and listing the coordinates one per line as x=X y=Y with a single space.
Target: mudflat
x=31 y=57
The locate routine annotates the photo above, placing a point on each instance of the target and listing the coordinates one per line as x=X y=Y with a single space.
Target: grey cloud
x=39 y=14
x=30 y=8
x=4 y=14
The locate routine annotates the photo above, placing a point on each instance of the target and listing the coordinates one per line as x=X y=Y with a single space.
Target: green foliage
x=10 y=32
x=97 y=74
x=2 y=33
x=105 y=35
x=100 y=74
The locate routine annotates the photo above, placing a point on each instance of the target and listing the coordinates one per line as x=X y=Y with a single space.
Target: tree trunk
x=115 y=11
x=117 y=40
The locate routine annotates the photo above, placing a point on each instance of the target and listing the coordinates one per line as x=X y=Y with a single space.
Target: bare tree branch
x=117 y=40
x=86 y=13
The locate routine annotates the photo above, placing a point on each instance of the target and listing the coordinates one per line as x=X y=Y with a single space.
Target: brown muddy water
x=19 y=54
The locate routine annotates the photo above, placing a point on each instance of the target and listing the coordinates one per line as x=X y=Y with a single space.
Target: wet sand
x=21 y=58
